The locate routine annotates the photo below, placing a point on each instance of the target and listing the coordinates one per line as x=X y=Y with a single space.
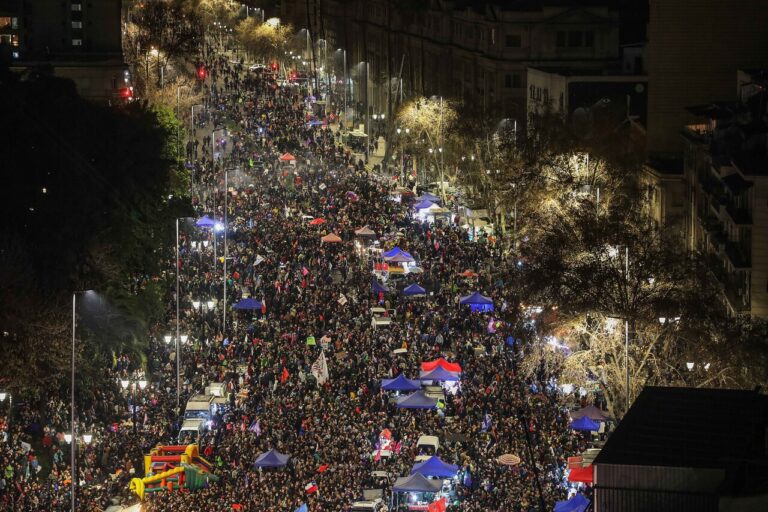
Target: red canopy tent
x=583 y=475
x=287 y=157
x=317 y=221
x=428 y=366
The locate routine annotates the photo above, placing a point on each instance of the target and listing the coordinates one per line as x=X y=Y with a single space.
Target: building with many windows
x=478 y=52
x=76 y=39
x=726 y=177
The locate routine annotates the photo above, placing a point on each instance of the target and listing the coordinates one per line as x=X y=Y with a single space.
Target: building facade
x=477 y=52
x=76 y=39
x=726 y=178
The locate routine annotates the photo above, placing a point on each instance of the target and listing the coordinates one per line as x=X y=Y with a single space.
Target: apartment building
x=76 y=39
x=726 y=178
x=478 y=52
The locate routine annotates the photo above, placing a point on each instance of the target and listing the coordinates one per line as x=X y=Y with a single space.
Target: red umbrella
x=317 y=221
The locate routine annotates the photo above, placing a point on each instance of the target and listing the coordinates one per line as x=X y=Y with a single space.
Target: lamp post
x=3 y=394
x=74 y=478
x=140 y=384
x=178 y=317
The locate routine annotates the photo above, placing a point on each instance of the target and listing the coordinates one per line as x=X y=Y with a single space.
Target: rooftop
x=687 y=427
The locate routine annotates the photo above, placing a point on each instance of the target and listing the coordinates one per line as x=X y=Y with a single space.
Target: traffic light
x=201 y=72
x=273 y=66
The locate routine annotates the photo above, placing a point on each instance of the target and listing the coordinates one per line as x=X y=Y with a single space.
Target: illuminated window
x=77 y=24
x=77 y=7
x=77 y=42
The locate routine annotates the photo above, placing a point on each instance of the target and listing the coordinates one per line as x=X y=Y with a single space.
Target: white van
x=428 y=446
x=216 y=389
x=191 y=431
x=198 y=408
x=380 y=317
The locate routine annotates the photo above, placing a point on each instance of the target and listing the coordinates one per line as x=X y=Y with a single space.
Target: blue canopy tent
x=394 y=252
x=439 y=374
x=247 y=304
x=205 y=222
x=423 y=205
x=417 y=400
x=477 y=302
x=585 y=424
x=377 y=287
x=414 y=289
x=271 y=459
x=400 y=383
x=576 y=504
x=315 y=123
x=433 y=466
x=416 y=483
x=426 y=196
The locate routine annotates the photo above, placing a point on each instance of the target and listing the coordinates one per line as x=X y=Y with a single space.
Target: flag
x=377 y=457
x=342 y=299
x=255 y=427
x=467 y=478
x=304 y=271
x=302 y=508
x=397 y=446
x=258 y=261
x=322 y=468
x=310 y=488
x=486 y=422
x=437 y=506
x=237 y=506
x=284 y=375
x=320 y=369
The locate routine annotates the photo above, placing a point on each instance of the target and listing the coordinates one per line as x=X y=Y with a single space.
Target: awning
x=414 y=289
x=439 y=374
x=433 y=466
x=248 y=304
x=417 y=400
x=440 y=362
x=416 y=483
x=400 y=383
x=583 y=475
x=331 y=238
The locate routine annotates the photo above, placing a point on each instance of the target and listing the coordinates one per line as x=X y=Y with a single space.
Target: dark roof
x=687 y=427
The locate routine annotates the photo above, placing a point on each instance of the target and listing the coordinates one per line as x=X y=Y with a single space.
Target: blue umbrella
x=205 y=222
x=585 y=424
x=248 y=304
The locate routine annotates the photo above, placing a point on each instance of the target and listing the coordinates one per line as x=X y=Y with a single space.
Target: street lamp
x=141 y=384
x=72 y=397
x=87 y=438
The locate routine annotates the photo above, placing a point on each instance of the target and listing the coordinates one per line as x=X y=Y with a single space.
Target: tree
x=431 y=119
x=89 y=210
x=263 y=40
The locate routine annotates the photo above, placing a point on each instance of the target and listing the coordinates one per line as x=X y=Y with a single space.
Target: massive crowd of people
x=310 y=291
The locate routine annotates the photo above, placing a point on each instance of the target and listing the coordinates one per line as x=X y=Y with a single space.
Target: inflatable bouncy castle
x=169 y=468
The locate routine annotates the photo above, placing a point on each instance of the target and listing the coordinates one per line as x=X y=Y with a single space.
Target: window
x=589 y=39
x=77 y=24
x=574 y=38
x=561 y=102
x=5 y=21
x=508 y=81
x=546 y=95
x=560 y=39
x=77 y=42
x=77 y=7
x=517 y=80
x=513 y=41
